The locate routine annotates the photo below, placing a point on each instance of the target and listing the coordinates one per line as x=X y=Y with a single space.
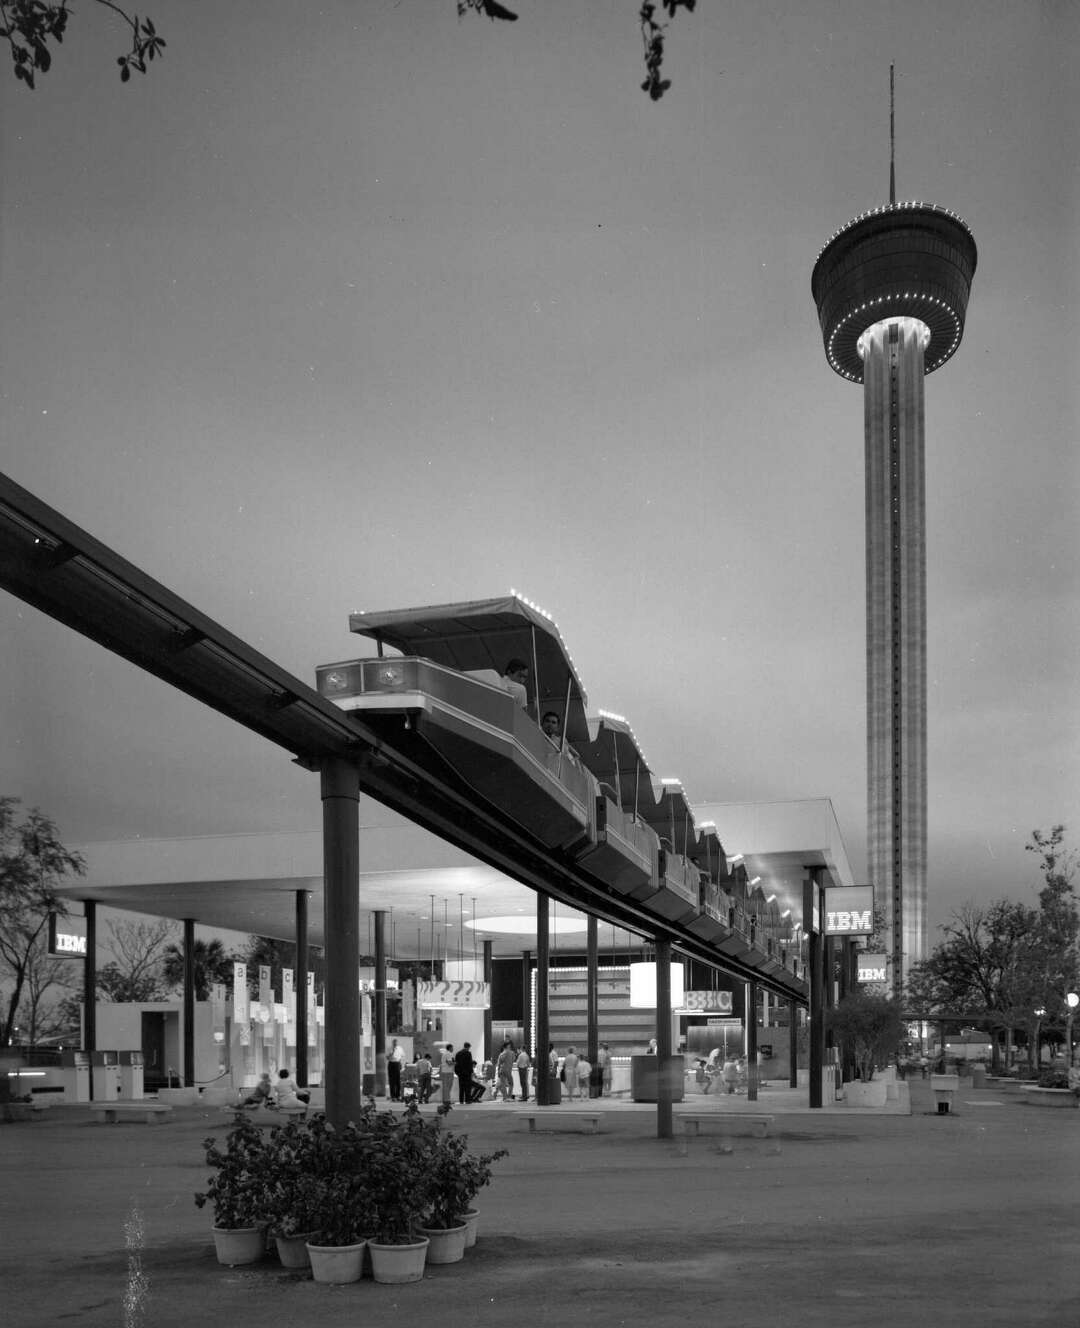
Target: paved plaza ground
x=840 y=1217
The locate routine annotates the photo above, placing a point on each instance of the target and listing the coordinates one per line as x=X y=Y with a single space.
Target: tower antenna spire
x=892 y=137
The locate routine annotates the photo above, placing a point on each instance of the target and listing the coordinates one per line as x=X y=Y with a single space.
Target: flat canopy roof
x=248 y=883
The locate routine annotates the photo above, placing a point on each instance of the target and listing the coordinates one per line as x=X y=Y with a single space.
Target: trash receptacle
x=554 y=1091
x=596 y=1081
x=978 y=1076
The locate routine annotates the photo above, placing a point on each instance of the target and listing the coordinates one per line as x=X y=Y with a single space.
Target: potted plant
x=237 y=1192
x=456 y=1177
x=297 y=1160
x=346 y=1215
x=395 y=1160
x=870 y=1027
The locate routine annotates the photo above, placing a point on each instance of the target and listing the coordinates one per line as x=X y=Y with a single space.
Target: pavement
x=841 y=1216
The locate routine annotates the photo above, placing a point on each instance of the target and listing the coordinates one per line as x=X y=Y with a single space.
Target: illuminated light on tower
x=891 y=290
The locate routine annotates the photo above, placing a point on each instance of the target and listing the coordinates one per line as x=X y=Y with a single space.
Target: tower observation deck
x=891 y=290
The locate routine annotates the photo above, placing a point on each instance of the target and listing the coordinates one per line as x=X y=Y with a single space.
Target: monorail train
x=445 y=700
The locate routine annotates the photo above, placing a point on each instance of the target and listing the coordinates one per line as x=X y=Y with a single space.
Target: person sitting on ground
x=261 y=1094
x=287 y=1094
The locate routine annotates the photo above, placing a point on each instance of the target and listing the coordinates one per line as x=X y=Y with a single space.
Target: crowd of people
x=510 y=1077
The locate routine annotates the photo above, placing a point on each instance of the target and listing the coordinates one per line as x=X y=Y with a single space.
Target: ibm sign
x=67 y=937
x=849 y=911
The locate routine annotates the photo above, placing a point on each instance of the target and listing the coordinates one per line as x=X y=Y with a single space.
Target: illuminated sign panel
x=849 y=911
x=872 y=967
x=67 y=937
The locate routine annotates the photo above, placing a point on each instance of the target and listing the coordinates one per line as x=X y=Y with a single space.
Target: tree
x=135 y=972
x=210 y=962
x=1051 y=965
x=33 y=863
x=31 y=25
x=870 y=1027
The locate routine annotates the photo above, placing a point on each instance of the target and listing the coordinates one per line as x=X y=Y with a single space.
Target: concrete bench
x=267 y=1115
x=759 y=1125
x=590 y=1120
x=111 y=1112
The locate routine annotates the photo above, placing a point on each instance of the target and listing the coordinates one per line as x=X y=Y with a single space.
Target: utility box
x=131 y=1074
x=75 y=1066
x=647 y=1073
x=945 y=1088
x=105 y=1075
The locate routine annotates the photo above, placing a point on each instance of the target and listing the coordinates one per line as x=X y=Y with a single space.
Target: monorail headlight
x=384 y=673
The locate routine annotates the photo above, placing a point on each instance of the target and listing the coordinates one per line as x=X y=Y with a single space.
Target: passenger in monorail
x=515 y=678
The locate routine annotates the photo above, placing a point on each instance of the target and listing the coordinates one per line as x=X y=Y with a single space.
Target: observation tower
x=891 y=289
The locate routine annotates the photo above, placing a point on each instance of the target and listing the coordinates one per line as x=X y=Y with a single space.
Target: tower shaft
x=893 y=368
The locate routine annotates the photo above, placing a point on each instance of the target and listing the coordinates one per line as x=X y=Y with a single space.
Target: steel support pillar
x=664 y=1095
x=300 y=989
x=89 y=1038
x=189 y=1003
x=592 y=993
x=812 y=908
x=489 y=1050
x=379 y=1003
x=340 y=789
x=751 y=1042
x=541 y=1071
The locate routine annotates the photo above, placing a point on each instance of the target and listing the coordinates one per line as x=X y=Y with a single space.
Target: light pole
x=1072 y=1000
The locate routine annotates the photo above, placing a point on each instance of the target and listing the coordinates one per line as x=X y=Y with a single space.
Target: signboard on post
x=871 y=967
x=67 y=936
x=849 y=910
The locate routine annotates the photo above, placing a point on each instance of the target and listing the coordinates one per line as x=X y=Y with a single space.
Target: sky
x=393 y=309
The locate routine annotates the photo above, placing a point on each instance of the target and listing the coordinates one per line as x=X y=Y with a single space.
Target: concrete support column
x=664 y=1095
x=301 y=988
x=751 y=1042
x=341 y=870
x=189 y=1003
x=543 y=1034
x=379 y=1003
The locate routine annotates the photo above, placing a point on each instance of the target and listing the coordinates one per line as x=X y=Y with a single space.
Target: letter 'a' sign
x=849 y=910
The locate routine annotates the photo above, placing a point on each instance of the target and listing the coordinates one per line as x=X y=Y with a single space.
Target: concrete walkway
x=840 y=1217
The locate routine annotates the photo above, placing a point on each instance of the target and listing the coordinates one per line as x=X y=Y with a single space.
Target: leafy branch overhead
x=652 y=34
x=30 y=26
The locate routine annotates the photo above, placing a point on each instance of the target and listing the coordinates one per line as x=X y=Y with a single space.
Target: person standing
x=523 y=1062
x=423 y=1077
x=464 y=1064
x=604 y=1057
x=569 y=1073
x=446 y=1073
x=395 y=1059
x=504 y=1071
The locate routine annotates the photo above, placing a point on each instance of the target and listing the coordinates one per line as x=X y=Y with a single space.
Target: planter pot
x=470 y=1217
x=292 y=1250
x=335 y=1265
x=866 y=1094
x=178 y=1097
x=445 y=1244
x=398 y=1263
x=236 y=1245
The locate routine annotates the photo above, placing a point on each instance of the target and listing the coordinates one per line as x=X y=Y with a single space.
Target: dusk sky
x=364 y=313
